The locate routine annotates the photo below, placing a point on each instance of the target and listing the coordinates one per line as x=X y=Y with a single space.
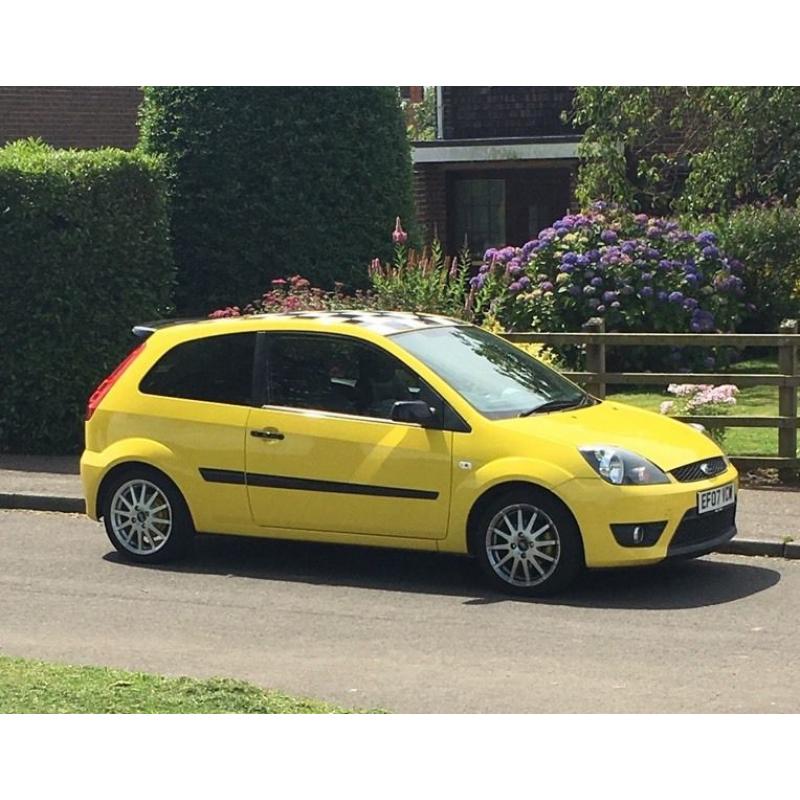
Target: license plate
x=716 y=499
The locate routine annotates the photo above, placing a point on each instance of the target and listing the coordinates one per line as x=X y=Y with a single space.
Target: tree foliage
x=695 y=149
x=767 y=241
x=421 y=117
x=270 y=180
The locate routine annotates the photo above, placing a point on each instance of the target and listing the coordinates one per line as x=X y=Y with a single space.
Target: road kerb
x=760 y=547
x=791 y=550
x=42 y=502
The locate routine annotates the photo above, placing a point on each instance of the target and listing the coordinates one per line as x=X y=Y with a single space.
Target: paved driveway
x=404 y=631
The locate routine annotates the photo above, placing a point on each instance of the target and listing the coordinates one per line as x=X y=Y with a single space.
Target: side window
x=334 y=373
x=217 y=369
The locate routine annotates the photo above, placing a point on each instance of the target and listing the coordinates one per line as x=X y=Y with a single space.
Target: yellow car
x=396 y=430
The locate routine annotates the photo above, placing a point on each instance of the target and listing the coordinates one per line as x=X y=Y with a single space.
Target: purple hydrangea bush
x=638 y=273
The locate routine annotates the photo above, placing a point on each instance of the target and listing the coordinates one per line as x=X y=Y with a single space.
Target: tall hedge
x=267 y=181
x=84 y=254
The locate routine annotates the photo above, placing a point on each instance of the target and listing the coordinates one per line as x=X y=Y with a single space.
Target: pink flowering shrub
x=297 y=294
x=703 y=399
x=415 y=280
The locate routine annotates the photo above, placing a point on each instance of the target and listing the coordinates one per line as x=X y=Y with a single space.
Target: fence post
x=787 y=399
x=595 y=356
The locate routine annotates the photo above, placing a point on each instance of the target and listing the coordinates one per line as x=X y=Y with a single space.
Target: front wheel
x=146 y=517
x=527 y=544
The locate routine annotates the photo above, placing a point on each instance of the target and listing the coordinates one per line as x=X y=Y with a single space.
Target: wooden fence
x=595 y=378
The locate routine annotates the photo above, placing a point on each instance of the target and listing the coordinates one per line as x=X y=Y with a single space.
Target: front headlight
x=622 y=467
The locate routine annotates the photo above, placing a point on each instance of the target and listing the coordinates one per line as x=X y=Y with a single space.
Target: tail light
x=105 y=385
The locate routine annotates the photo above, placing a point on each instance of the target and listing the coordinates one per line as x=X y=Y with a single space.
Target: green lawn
x=751 y=401
x=35 y=687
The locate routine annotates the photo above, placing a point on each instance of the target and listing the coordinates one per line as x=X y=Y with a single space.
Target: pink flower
x=278 y=282
x=666 y=406
x=686 y=389
x=725 y=394
x=399 y=236
x=375 y=267
x=230 y=311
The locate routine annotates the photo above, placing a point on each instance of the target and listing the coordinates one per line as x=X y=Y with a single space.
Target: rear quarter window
x=216 y=369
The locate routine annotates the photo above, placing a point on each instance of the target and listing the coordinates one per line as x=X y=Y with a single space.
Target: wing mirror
x=417 y=411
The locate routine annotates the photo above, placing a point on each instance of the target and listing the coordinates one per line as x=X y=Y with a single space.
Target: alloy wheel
x=522 y=545
x=141 y=517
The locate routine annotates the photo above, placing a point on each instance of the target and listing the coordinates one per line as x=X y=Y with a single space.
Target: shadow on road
x=675 y=585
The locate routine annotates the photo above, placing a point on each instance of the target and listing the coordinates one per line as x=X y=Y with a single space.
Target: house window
x=479 y=207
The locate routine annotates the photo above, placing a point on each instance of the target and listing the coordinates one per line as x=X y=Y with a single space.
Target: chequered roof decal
x=385 y=322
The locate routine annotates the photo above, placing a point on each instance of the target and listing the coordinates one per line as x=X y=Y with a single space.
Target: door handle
x=267 y=433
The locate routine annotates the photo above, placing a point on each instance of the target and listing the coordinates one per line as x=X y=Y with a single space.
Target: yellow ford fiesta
x=396 y=430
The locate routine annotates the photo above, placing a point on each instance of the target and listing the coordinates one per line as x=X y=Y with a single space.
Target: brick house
x=503 y=165
x=501 y=168
x=71 y=116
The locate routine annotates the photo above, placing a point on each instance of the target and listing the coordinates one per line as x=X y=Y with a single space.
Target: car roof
x=382 y=323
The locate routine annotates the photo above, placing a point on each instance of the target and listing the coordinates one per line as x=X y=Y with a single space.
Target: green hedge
x=84 y=254
x=269 y=181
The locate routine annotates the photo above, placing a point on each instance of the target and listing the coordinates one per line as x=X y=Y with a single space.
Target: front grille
x=700 y=470
x=696 y=529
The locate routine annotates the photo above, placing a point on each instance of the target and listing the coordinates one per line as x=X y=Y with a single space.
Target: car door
x=323 y=454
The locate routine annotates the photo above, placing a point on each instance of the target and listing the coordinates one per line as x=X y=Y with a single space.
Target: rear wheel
x=527 y=544
x=146 y=517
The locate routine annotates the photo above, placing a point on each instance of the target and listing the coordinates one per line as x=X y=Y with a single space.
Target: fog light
x=638 y=534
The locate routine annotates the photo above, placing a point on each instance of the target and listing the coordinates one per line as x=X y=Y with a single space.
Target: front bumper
x=598 y=505
x=698 y=534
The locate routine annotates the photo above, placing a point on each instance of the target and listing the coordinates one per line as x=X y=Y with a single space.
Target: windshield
x=495 y=377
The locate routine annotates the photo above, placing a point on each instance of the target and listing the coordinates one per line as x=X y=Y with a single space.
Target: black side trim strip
x=222 y=476
x=309 y=485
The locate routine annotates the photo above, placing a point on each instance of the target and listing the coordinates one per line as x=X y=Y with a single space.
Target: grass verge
x=36 y=687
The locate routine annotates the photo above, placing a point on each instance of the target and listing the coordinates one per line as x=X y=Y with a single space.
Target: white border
x=309 y=42
x=566 y=756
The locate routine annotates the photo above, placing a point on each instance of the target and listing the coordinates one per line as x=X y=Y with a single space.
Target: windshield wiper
x=558 y=404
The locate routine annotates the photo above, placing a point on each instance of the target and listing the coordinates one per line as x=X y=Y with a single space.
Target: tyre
x=146 y=517
x=527 y=544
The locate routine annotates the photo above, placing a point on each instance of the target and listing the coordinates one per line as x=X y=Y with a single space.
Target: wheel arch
x=493 y=492
x=128 y=466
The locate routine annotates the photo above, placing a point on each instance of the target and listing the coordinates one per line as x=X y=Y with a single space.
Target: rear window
x=217 y=369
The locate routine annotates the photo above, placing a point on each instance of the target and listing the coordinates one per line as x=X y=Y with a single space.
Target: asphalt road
x=405 y=631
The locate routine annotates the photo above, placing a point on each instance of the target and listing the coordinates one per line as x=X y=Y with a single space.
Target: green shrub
x=425 y=281
x=270 y=180
x=767 y=241
x=84 y=254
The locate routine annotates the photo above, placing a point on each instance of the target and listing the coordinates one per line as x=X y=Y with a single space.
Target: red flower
x=399 y=236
